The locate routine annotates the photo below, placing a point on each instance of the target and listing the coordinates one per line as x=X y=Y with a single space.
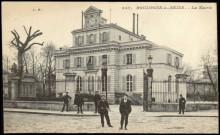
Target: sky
x=189 y=31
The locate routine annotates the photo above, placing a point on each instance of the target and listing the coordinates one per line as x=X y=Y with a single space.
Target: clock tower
x=93 y=18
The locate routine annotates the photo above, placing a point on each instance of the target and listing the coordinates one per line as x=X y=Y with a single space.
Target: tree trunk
x=20 y=71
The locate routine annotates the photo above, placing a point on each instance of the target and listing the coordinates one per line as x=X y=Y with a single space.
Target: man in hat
x=182 y=102
x=125 y=110
x=103 y=109
x=66 y=99
x=97 y=98
x=79 y=101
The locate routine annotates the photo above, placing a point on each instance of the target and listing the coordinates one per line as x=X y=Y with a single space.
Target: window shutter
x=167 y=58
x=108 y=36
x=87 y=39
x=124 y=59
x=100 y=37
x=76 y=40
x=99 y=83
x=123 y=84
x=82 y=39
x=100 y=60
x=133 y=58
x=134 y=83
x=108 y=59
x=64 y=63
x=95 y=63
x=108 y=83
x=171 y=60
x=93 y=84
x=75 y=62
x=95 y=38
x=87 y=58
x=83 y=83
x=82 y=61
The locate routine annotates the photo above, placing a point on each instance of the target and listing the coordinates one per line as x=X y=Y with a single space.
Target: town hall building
x=126 y=54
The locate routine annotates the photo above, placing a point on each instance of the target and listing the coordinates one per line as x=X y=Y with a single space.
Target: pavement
x=44 y=121
x=205 y=113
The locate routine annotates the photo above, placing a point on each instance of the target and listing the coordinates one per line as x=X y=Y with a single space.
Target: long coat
x=182 y=102
x=103 y=107
x=125 y=107
x=78 y=100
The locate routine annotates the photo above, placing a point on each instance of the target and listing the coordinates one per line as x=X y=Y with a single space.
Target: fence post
x=194 y=92
x=204 y=93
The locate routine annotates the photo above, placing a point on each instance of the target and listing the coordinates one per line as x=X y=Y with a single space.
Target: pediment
x=92 y=9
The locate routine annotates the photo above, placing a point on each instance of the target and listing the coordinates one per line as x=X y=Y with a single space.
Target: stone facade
x=127 y=58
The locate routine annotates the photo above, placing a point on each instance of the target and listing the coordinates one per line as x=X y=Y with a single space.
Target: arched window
x=79 y=83
x=129 y=83
x=104 y=38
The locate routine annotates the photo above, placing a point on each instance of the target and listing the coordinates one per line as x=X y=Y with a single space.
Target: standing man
x=182 y=102
x=125 y=110
x=79 y=101
x=66 y=99
x=103 y=109
x=97 y=99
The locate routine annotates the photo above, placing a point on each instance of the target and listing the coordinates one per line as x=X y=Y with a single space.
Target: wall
x=174 y=107
x=46 y=105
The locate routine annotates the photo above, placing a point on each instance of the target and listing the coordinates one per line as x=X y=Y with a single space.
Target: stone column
x=14 y=88
x=148 y=90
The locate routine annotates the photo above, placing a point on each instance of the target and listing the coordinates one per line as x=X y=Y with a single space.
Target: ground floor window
x=129 y=83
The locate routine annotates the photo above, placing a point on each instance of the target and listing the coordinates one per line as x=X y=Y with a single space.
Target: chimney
x=134 y=23
x=82 y=19
x=137 y=24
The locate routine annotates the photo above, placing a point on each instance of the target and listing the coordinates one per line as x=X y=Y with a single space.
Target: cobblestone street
x=139 y=122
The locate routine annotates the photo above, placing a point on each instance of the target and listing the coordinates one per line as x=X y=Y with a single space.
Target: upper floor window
x=169 y=59
x=129 y=58
x=78 y=61
x=104 y=38
x=66 y=63
x=177 y=62
x=119 y=38
x=90 y=61
x=131 y=39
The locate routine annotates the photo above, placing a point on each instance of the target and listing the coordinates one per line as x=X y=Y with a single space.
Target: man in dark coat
x=79 y=102
x=66 y=99
x=97 y=98
x=125 y=110
x=182 y=103
x=103 y=109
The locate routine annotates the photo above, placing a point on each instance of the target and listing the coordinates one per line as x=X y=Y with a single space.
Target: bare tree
x=189 y=71
x=48 y=67
x=23 y=47
x=209 y=60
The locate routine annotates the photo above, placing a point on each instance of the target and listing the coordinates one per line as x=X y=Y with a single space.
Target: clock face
x=92 y=21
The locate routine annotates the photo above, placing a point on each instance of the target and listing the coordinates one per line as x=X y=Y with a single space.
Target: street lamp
x=104 y=74
x=150 y=60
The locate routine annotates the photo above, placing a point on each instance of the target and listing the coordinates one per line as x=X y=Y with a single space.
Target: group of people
x=102 y=107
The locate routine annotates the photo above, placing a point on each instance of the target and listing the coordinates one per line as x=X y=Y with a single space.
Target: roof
x=92 y=8
x=111 y=25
